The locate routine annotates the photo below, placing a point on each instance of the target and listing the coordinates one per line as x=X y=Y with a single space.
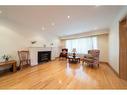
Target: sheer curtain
x=82 y=45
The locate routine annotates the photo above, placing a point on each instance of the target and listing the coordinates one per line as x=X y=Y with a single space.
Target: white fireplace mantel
x=34 y=54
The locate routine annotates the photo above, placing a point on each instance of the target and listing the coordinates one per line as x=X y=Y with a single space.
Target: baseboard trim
x=103 y=62
x=111 y=68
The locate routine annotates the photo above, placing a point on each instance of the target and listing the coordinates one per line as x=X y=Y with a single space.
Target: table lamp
x=74 y=52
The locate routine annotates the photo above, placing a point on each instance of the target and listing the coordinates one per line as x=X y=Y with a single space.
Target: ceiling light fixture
x=97 y=5
x=43 y=28
x=53 y=24
x=68 y=17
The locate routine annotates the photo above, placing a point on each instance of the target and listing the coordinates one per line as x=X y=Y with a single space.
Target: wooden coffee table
x=72 y=59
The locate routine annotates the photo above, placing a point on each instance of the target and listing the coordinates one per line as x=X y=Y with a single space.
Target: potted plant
x=6 y=57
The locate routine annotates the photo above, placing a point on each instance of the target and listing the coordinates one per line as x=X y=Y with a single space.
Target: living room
x=43 y=32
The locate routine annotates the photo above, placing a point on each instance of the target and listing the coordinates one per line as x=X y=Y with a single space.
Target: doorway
x=123 y=48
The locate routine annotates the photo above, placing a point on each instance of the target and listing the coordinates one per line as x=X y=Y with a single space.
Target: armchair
x=64 y=53
x=92 y=58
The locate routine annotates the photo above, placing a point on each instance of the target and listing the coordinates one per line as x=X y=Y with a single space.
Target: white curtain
x=82 y=45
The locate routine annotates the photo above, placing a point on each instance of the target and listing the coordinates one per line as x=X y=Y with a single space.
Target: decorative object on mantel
x=44 y=45
x=33 y=42
x=74 y=52
x=6 y=57
x=51 y=46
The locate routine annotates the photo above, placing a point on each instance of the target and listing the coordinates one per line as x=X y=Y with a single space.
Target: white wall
x=114 y=41
x=103 y=47
x=13 y=39
x=10 y=40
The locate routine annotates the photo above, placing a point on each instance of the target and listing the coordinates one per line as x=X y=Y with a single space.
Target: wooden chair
x=23 y=58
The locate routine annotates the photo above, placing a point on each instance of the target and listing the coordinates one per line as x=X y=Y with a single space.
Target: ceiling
x=54 y=19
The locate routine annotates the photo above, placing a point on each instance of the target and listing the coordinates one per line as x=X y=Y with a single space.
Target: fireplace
x=44 y=56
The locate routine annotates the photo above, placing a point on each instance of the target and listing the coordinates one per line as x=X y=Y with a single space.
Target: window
x=82 y=45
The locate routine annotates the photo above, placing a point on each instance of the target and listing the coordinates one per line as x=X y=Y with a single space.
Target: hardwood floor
x=61 y=75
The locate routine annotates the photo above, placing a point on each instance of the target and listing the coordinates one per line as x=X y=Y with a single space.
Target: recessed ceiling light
x=97 y=5
x=68 y=17
x=53 y=24
x=43 y=28
x=0 y=12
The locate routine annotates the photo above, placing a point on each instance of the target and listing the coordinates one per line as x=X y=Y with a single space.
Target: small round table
x=72 y=59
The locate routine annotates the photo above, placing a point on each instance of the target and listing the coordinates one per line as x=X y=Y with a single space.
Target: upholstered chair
x=64 y=53
x=92 y=58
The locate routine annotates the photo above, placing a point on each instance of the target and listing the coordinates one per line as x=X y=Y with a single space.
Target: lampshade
x=74 y=50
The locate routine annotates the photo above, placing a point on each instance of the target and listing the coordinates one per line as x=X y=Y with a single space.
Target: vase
x=6 y=59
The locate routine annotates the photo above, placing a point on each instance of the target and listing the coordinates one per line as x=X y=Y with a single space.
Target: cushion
x=64 y=51
x=89 y=56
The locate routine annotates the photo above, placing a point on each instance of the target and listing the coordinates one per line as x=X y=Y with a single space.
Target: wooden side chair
x=23 y=58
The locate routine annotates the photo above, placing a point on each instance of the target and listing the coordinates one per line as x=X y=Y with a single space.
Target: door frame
x=123 y=48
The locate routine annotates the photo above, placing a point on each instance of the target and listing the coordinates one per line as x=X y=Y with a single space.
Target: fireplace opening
x=44 y=56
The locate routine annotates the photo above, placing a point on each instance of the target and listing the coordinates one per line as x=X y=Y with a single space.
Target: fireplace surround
x=34 y=53
x=44 y=56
